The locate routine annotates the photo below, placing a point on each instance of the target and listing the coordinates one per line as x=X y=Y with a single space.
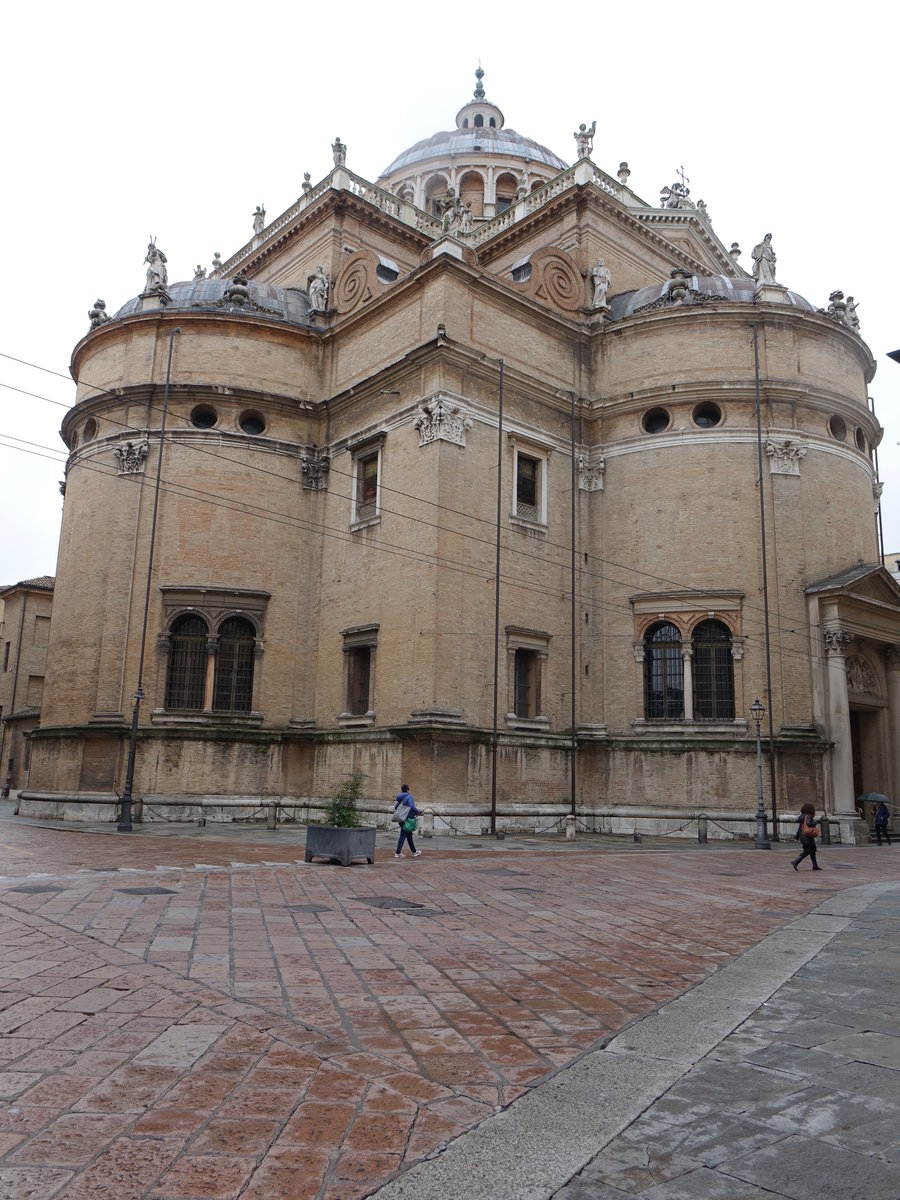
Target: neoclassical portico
x=855 y=627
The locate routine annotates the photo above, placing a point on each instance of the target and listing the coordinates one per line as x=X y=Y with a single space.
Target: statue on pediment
x=584 y=139
x=764 y=262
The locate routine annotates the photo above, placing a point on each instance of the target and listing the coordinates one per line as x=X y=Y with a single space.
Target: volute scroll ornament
x=554 y=278
x=357 y=283
x=784 y=456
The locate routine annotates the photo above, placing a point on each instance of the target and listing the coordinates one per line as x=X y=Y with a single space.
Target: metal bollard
x=570 y=828
x=701 y=830
x=271 y=816
x=637 y=838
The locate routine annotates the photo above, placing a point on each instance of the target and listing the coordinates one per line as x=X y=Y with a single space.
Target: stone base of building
x=525 y=820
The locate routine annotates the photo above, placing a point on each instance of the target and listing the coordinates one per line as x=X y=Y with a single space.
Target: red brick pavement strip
x=264 y=1030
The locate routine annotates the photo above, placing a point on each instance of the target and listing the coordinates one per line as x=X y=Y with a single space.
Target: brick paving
x=186 y=1017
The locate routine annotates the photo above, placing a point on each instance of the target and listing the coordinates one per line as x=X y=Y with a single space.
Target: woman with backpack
x=409 y=823
x=807 y=832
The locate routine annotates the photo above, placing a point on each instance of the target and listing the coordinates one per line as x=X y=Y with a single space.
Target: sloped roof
x=43 y=583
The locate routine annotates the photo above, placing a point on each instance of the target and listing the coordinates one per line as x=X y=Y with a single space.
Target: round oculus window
x=707 y=415
x=837 y=428
x=90 y=430
x=204 y=417
x=860 y=440
x=655 y=421
x=252 y=423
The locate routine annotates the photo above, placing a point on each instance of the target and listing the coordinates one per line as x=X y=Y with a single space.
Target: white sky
x=176 y=120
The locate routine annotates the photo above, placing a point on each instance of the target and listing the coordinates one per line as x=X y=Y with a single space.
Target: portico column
x=687 y=655
x=838 y=731
x=892 y=671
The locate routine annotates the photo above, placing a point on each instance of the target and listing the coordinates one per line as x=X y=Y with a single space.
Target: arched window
x=663 y=673
x=186 y=676
x=713 y=667
x=233 y=691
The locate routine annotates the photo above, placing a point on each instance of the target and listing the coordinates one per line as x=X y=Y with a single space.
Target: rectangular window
x=527 y=473
x=34 y=691
x=360 y=643
x=528 y=653
x=367 y=487
x=358 y=677
x=366 y=484
x=529 y=481
x=526 y=678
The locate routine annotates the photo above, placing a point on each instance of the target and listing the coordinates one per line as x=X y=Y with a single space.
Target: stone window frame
x=535 y=643
x=686 y=610
x=356 y=639
x=215 y=606
x=366 y=450
x=539 y=453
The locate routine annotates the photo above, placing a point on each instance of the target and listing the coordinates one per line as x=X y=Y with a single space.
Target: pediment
x=870 y=582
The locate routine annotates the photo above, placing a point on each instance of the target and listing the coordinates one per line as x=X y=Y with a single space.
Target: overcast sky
x=124 y=121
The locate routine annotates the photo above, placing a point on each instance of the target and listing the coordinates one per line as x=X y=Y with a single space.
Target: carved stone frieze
x=131 y=457
x=784 y=456
x=590 y=473
x=440 y=420
x=315 y=465
x=860 y=676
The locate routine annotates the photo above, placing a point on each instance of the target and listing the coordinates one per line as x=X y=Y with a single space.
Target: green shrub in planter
x=342 y=837
x=343 y=808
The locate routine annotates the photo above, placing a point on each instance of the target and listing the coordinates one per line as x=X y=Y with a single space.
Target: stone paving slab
x=186 y=1017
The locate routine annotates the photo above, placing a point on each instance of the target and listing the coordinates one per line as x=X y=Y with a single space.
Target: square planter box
x=334 y=842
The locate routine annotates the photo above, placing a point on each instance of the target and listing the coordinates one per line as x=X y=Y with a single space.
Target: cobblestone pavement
x=186 y=1014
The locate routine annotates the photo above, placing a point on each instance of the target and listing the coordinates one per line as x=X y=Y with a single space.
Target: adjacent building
x=25 y=610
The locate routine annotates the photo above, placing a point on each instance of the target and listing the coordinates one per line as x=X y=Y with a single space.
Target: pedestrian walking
x=807 y=832
x=882 y=815
x=405 y=808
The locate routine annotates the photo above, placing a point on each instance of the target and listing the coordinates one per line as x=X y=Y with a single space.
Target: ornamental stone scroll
x=440 y=420
x=784 y=456
x=131 y=457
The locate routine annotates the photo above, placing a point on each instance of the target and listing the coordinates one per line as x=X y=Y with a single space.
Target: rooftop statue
x=157 y=275
x=98 y=314
x=318 y=290
x=764 y=262
x=259 y=220
x=199 y=272
x=850 y=317
x=584 y=139
x=339 y=150
x=601 y=280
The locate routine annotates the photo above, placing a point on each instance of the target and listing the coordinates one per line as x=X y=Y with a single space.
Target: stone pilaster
x=838 y=717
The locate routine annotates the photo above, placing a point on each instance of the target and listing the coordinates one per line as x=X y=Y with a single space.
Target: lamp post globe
x=757 y=712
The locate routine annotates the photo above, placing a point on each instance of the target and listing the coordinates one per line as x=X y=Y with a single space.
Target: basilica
x=491 y=476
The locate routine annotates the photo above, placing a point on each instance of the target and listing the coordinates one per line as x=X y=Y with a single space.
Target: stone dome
x=234 y=296
x=716 y=287
x=479 y=131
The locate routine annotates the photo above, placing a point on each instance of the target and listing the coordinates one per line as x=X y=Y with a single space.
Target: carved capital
x=131 y=457
x=638 y=652
x=837 y=641
x=590 y=473
x=440 y=420
x=784 y=456
x=315 y=465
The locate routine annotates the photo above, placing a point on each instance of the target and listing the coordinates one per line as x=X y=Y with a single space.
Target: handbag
x=400 y=813
x=411 y=824
x=810 y=831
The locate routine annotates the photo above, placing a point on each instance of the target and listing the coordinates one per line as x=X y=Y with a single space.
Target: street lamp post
x=758 y=711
